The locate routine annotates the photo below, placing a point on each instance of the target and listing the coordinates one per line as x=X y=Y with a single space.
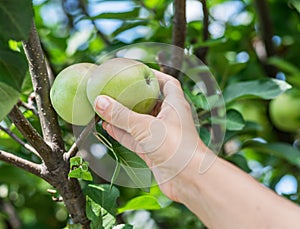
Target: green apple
x=130 y=82
x=255 y=110
x=68 y=94
x=285 y=111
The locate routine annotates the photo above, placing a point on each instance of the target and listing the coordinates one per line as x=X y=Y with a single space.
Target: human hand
x=167 y=142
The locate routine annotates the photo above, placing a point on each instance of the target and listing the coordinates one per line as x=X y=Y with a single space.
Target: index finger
x=164 y=79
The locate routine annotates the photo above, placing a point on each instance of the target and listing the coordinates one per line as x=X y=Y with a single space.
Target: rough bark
x=50 y=147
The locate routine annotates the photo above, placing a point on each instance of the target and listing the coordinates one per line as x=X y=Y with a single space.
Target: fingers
x=173 y=94
x=165 y=79
x=121 y=117
x=121 y=136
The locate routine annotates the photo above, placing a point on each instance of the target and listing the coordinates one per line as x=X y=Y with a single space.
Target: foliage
x=73 y=31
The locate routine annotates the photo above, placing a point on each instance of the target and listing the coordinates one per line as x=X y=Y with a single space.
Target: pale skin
x=222 y=196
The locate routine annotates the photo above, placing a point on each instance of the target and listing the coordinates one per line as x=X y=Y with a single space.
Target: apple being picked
x=130 y=82
x=68 y=94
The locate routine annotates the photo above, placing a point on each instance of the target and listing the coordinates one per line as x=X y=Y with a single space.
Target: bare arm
x=223 y=196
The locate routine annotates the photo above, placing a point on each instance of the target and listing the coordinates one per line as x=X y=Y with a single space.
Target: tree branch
x=51 y=148
x=22 y=163
x=201 y=52
x=265 y=25
x=82 y=5
x=13 y=219
x=178 y=39
x=40 y=81
x=20 y=141
x=266 y=30
x=31 y=135
x=28 y=106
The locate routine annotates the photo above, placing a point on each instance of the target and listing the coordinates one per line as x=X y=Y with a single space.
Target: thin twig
x=265 y=25
x=28 y=106
x=41 y=84
x=20 y=141
x=178 y=38
x=201 y=52
x=21 y=163
x=82 y=5
x=12 y=217
x=81 y=138
x=266 y=31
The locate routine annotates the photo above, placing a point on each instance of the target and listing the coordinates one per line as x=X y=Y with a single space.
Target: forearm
x=226 y=197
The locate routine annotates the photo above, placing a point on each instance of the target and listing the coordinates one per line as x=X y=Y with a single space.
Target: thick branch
x=178 y=38
x=51 y=148
x=20 y=141
x=40 y=80
x=21 y=163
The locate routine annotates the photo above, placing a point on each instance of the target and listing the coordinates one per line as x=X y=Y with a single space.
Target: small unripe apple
x=130 y=82
x=68 y=94
x=285 y=111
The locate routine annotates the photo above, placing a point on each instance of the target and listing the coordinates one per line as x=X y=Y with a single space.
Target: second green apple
x=130 y=82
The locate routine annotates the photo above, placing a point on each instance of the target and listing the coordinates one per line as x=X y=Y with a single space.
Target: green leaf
x=13 y=68
x=263 y=88
x=102 y=205
x=129 y=25
x=93 y=212
x=146 y=202
x=123 y=226
x=75 y=161
x=234 y=120
x=283 y=65
x=8 y=98
x=134 y=166
x=104 y=195
x=280 y=150
x=205 y=135
x=213 y=42
x=85 y=175
x=15 y=19
x=296 y=4
x=75 y=173
x=79 y=169
x=250 y=127
x=239 y=161
x=133 y=14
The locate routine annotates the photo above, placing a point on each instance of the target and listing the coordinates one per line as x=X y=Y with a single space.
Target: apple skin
x=68 y=94
x=285 y=111
x=130 y=82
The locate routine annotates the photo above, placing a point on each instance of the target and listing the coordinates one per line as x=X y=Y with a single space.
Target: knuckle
x=118 y=112
x=176 y=82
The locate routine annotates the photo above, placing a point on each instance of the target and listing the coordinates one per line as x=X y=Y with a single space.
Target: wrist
x=186 y=183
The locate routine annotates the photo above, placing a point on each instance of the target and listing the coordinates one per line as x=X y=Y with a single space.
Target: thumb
x=120 y=116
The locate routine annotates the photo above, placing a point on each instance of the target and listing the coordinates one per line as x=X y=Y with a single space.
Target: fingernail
x=101 y=103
